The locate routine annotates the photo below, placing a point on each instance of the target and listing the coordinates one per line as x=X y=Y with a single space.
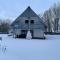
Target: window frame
x=26 y=21
x=32 y=21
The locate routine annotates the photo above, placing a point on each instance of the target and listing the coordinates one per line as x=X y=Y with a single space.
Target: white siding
x=38 y=33
x=17 y=31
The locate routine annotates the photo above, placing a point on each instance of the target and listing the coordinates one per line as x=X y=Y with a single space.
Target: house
x=28 y=21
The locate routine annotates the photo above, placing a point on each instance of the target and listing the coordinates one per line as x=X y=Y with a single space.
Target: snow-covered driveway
x=23 y=49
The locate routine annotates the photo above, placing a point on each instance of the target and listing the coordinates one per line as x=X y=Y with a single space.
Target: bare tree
x=51 y=17
x=5 y=26
x=46 y=17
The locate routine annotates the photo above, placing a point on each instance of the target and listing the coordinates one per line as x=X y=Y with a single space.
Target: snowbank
x=23 y=49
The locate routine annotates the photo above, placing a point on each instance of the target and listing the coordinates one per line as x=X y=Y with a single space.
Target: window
x=32 y=21
x=26 y=21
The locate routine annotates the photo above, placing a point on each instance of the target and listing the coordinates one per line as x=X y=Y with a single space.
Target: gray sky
x=13 y=8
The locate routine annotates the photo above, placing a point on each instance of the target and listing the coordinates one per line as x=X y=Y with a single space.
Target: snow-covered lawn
x=23 y=49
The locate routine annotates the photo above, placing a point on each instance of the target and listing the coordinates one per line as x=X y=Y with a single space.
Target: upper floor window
x=32 y=21
x=26 y=21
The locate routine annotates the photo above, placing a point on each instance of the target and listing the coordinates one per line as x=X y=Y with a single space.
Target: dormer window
x=26 y=21
x=32 y=21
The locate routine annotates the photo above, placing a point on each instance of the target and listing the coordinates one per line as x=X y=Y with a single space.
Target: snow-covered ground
x=23 y=49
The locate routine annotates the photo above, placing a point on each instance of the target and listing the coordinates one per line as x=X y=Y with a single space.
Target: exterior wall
x=17 y=31
x=37 y=23
x=36 y=20
x=37 y=27
x=38 y=33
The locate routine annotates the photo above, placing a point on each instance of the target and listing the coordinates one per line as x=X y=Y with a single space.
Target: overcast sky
x=13 y=8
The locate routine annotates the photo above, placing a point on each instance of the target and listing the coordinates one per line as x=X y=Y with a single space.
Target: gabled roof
x=28 y=13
